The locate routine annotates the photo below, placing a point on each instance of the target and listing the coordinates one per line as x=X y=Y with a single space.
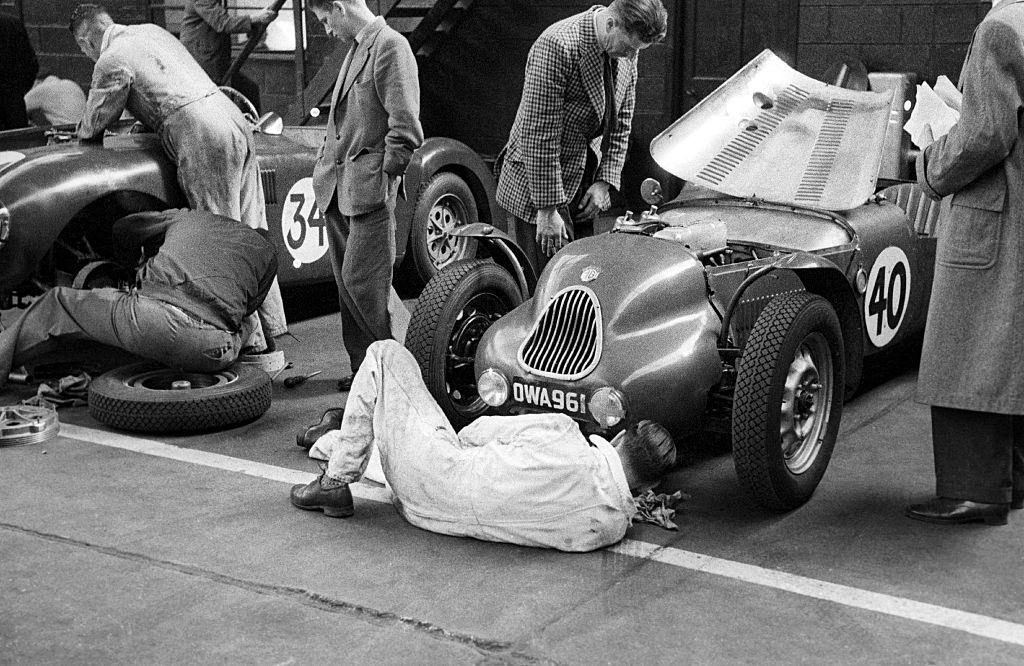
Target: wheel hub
x=806 y=403
x=447 y=213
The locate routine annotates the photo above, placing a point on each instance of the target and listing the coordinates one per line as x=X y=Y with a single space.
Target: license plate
x=549 y=396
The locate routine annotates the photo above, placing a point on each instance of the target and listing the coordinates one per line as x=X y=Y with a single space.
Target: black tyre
x=788 y=400
x=443 y=202
x=454 y=310
x=142 y=397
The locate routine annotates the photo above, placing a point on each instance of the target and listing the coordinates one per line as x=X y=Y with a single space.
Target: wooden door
x=720 y=36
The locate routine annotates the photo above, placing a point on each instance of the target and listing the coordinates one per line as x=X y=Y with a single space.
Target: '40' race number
x=888 y=295
x=302 y=224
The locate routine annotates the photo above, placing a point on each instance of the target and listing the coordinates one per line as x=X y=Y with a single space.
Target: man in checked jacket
x=579 y=93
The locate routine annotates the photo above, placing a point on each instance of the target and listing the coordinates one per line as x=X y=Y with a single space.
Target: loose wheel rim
x=167 y=379
x=27 y=424
x=447 y=213
x=479 y=313
x=806 y=403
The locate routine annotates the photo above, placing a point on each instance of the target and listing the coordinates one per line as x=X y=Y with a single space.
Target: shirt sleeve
x=547 y=70
x=988 y=126
x=398 y=87
x=218 y=18
x=610 y=169
x=108 y=96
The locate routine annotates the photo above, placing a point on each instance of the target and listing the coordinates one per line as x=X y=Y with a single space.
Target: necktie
x=609 y=104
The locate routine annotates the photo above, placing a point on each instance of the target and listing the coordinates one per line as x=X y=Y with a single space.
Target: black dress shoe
x=1017 y=499
x=345 y=383
x=324 y=494
x=945 y=511
x=331 y=420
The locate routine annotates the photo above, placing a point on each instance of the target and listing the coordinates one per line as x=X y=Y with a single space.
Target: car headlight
x=608 y=406
x=492 y=387
x=5 y=225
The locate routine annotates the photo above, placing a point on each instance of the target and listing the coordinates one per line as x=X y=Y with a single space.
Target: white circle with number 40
x=888 y=296
x=302 y=224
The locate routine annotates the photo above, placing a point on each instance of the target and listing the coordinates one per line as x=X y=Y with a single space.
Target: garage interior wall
x=471 y=84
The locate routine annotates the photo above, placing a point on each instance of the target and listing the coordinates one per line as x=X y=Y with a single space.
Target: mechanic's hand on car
x=596 y=199
x=551 y=234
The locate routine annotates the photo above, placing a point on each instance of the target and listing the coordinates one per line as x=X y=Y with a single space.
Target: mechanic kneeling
x=198 y=277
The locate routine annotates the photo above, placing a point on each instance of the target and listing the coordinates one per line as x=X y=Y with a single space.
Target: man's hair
x=644 y=19
x=649 y=450
x=87 y=14
x=323 y=5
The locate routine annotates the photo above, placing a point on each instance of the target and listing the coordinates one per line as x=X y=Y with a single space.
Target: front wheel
x=788 y=400
x=456 y=307
x=443 y=203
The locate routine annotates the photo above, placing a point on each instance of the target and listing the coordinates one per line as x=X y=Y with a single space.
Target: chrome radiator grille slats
x=565 y=343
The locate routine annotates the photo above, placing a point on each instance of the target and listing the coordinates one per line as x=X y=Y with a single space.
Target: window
x=280 y=35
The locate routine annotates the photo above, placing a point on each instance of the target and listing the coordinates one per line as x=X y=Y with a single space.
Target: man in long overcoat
x=971 y=373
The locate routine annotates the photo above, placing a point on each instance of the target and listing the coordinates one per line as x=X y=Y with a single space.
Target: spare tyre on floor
x=150 y=397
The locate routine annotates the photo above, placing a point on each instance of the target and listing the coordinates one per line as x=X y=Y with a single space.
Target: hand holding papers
x=936 y=111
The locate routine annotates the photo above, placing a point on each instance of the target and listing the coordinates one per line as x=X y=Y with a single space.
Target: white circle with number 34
x=303 y=227
x=888 y=296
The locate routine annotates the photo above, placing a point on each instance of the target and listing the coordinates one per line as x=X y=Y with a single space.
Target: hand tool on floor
x=295 y=380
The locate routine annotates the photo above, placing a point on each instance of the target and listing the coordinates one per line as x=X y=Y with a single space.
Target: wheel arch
x=439 y=154
x=829 y=283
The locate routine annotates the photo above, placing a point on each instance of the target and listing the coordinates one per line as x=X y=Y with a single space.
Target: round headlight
x=608 y=406
x=492 y=387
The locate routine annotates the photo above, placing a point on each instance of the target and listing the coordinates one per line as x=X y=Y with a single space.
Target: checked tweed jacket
x=560 y=113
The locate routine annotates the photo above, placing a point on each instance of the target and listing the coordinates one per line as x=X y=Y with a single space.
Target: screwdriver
x=295 y=380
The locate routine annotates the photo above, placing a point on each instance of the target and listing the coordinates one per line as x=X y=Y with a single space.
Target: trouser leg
x=362 y=250
x=388 y=405
x=976 y=456
x=525 y=235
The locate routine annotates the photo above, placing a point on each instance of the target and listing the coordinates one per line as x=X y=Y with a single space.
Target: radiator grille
x=565 y=343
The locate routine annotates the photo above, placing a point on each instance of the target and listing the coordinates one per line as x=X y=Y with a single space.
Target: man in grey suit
x=579 y=91
x=971 y=373
x=372 y=130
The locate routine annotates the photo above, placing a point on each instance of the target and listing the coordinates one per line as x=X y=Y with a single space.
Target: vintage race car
x=717 y=312
x=58 y=203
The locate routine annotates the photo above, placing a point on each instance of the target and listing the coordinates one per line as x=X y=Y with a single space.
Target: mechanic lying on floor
x=198 y=277
x=532 y=480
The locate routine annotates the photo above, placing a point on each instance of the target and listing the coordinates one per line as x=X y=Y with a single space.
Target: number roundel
x=888 y=296
x=303 y=227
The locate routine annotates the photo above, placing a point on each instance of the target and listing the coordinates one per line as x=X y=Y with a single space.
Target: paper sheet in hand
x=933 y=111
x=948 y=93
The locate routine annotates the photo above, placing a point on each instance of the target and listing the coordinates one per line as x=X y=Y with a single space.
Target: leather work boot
x=946 y=511
x=331 y=420
x=324 y=494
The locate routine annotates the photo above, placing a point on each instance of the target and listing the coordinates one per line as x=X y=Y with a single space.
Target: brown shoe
x=331 y=420
x=324 y=494
x=946 y=511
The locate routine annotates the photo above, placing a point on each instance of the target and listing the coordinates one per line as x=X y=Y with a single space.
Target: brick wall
x=929 y=38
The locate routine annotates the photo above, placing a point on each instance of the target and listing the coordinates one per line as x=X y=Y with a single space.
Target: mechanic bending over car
x=971 y=373
x=186 y=309
x=144 y=69
x=371 y=133
x=532 y=480
x=580 y=85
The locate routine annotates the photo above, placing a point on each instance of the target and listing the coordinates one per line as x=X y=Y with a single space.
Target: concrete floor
x=114 y=556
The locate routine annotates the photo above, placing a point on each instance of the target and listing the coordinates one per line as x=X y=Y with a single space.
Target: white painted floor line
x=940 y=616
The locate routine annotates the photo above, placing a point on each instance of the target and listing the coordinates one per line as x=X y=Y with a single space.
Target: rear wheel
x=788 y=400
x=444 y=202
x=456 y=307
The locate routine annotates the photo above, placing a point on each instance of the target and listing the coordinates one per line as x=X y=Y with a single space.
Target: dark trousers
x=362 y=251
x=979 y=456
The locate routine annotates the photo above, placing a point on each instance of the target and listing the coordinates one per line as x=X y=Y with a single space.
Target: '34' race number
x=887 y=296
x=302 y=224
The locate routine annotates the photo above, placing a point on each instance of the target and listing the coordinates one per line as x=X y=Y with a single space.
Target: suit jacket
x=374 y=124
x=974 y=336
x=206 y=30
x=560 y=113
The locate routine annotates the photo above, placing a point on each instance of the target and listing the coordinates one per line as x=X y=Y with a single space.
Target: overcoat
x=974 y=337
x=561 y=111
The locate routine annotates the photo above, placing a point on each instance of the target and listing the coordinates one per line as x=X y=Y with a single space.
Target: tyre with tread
x=456 y=307
x=150 y=397
x=788 y=400
x=444 y=200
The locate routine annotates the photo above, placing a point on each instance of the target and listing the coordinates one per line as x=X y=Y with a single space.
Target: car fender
x=505 y=252
x=444 y=154
x=42 y=195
